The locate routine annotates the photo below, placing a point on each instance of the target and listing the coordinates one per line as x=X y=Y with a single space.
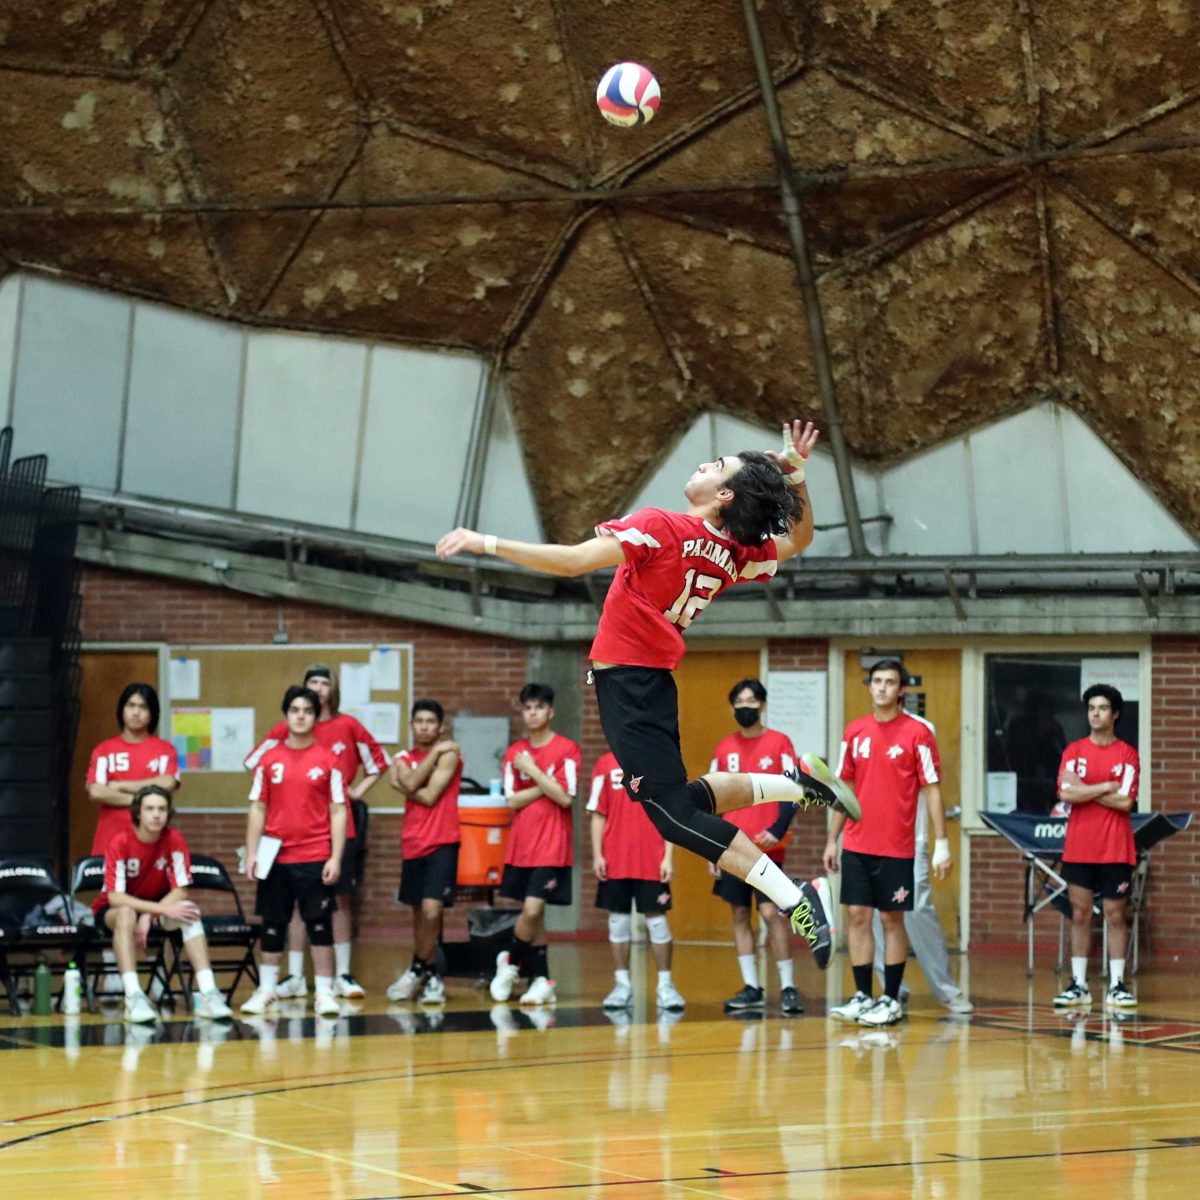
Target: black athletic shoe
x=748 y=998
x=810 y=919
x=790 y=1003
x=823 y=789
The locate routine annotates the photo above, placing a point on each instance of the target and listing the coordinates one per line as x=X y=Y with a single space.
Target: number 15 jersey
x=675 y=565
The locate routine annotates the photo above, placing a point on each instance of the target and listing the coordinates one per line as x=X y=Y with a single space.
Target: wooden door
x=104 y=674
x=704 y=680
x=939 y=699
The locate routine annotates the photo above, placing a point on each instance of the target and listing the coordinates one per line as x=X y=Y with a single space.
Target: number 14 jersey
x=675 y=565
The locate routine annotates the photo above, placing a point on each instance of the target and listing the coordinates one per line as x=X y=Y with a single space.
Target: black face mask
x=746 y=716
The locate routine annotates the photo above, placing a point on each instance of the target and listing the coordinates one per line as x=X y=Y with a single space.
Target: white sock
x=787 y=973
x=771 y=881
x=341 y=958
x=664 y=978
x=622 y=977
x=206 y=981
x=322 y=983
x=749 y=969
x=1116 y=971
x=268 y=976
x=1079 y=970
x=296 y=963
x=769 y=788
x=131 y=983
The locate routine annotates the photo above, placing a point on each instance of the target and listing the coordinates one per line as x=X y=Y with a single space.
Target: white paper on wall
x=796 y=705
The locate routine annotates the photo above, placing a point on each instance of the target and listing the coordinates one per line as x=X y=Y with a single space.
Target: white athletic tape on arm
x=489 y=543
x=941 y=853
x=796 y=460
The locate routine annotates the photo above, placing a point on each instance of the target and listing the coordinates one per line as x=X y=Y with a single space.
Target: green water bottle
x=41 y=991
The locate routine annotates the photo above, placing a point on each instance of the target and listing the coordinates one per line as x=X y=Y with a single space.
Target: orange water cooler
x=483 y=825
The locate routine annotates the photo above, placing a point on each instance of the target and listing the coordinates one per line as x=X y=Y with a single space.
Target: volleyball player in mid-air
x=746 y=514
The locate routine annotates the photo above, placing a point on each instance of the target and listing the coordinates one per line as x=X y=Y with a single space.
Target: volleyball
x=628 y=94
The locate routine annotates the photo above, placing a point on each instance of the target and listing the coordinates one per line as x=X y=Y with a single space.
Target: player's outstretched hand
x=459 y=541
x=799 y=438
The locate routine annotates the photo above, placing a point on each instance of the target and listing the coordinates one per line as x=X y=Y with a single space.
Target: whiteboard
x=797 y=703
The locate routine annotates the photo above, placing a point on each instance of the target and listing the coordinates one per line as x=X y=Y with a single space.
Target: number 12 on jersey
x=699 y=591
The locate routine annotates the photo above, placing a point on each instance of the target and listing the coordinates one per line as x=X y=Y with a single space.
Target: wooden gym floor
x=394 y=1102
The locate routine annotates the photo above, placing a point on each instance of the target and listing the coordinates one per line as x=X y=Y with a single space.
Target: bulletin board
x=218 y=697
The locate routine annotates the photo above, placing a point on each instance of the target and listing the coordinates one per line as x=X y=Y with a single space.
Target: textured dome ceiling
x=1001 y=199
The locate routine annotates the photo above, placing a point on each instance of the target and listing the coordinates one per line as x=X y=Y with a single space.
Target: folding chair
x=232 y=932
x=35 y=919
x=87 y=879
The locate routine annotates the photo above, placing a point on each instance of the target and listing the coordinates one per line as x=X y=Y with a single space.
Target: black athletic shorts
x=552 y=884
x=616 y=895
x=639 y=711
x=294 y=885
x=1112 y=880
x=737 y=891
x=348 y=879
x=875 y=881
x=433 y=876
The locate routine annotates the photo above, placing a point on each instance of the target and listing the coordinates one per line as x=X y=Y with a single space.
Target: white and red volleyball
x=628 y=94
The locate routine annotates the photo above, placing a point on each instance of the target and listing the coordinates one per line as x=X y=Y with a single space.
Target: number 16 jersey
x=675 y=565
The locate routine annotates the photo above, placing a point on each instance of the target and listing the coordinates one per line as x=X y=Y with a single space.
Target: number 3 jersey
x=114 y=761
x=299 y=788
x=675 y=565
x=888 y=762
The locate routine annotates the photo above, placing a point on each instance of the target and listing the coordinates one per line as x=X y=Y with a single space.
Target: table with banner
x=1039 y=839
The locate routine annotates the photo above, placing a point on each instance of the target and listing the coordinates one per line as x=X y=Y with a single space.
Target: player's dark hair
x=755 y=686
x=429 y=706
x=762 y=503
x=151 y=789
x=295 y=692
x=537 y=691
x=1109 y=693
x=148 y=694
x=888 y=664
x=324 y=671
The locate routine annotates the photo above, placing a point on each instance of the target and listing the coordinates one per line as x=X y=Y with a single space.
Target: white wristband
x=795 y=477
x=489 y=543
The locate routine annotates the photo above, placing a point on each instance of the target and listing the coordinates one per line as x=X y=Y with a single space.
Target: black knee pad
x=676 y=816
x=320 y=932
x=274 y=938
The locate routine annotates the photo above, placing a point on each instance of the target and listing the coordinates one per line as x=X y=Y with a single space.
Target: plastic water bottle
x=41 y=991
x=72 y=996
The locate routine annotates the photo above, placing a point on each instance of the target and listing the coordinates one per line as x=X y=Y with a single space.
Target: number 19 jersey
x=675 y=565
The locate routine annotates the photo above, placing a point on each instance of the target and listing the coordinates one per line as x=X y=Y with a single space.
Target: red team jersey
x=674 y=567
x=1096 y=834
x=114 y=761
x=771 y=753
x=349 y=740
x=298 y=786
x=427 y=827
x=632 y=847
x=540 y=834
x=147 y=870
x=888 y=762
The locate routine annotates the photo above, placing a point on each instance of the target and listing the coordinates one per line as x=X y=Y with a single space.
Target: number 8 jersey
x=675 y=565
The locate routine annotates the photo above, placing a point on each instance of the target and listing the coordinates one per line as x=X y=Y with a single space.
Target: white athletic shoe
x=620 y=997
x=434 y=991
x=212 y=1006
x=505 y=977
x=292 y=987
x=263 y=1000
x=540 y=991
x=349 y=987
x=406 y=987
x=325 y=1005
x=853 y=1008
x=960 y=1004
x=885 y=1011
x=667 y=997
x=139 y=1010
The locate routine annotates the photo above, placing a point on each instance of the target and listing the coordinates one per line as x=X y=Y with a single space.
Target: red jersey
x=674 y=566
x=349 y=740
x=540 y=834
x=147 y=870
x=888 y=762
x=426 y=827
x=771 y=753
x=115 y=760
x=1095 y=833
x=298 y=786
x=632 y=847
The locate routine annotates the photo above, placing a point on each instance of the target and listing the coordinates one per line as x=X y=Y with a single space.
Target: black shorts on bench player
x=746 y=514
